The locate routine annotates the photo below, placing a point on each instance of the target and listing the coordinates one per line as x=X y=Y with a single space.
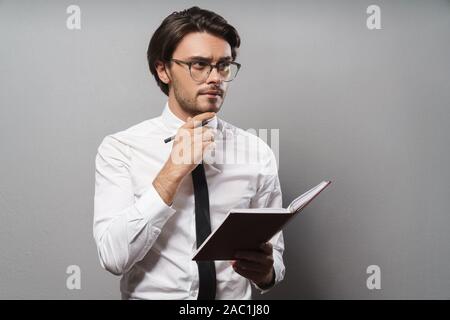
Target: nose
x=214 y=76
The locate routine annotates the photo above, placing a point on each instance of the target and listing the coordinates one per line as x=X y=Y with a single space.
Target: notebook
x=246 y=229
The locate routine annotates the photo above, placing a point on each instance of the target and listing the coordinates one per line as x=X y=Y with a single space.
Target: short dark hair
x=177 y=25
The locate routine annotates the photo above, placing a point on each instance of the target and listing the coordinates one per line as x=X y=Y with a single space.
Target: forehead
x=204 y=45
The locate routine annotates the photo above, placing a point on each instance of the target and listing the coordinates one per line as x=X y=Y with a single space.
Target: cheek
x=185 y=87
x=189 y=88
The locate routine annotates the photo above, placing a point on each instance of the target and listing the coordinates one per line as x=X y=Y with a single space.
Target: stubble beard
x=189 y=104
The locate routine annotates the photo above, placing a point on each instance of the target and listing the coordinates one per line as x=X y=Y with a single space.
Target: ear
x=162 y=72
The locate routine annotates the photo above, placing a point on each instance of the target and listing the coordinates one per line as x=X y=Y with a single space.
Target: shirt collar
x=172 y=122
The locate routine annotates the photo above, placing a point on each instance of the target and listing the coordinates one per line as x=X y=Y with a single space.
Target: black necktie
x=206 y=269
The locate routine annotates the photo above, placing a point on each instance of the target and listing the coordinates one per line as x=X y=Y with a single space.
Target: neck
x=174 y=106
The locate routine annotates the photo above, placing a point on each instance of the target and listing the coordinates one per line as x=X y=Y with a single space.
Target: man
x=152 y=207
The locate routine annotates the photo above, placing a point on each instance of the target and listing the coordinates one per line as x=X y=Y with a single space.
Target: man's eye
x=224 y=66
x=199 y=64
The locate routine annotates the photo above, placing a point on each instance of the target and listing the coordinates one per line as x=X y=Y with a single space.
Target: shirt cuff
x=266 y=289
x=279 y=270
x=153 y=208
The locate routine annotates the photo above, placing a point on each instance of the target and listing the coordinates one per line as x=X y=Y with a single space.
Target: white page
x=260 y=210
x=301 y=201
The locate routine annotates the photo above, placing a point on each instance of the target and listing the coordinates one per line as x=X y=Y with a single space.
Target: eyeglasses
x=200 y=70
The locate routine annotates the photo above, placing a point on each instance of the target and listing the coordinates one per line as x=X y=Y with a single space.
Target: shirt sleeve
x=124 y=228
x=269 y=195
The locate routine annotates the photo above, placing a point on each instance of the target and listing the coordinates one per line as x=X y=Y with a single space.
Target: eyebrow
x=200 y=58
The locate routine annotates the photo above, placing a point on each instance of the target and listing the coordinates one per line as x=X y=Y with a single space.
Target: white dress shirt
x=150 y=243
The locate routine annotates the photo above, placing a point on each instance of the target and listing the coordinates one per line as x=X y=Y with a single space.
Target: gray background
x=367 y=109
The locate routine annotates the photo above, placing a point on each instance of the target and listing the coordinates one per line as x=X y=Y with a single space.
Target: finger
x=183 y=133
x=203 y=130
x=208 y=139
x=203 y=134
x=208 y=146
x=206 y=129
x=208 y=136
x=198 y=119
x=267 y=247
x=251 y=266
x=204 y=116
x=248 y=274
x=254 y=256
x=188 y=124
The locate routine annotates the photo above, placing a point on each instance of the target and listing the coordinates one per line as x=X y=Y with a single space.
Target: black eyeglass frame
x=211 y=67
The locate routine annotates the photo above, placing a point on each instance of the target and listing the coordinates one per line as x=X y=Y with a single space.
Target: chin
x=214 y=108
x=210 y=107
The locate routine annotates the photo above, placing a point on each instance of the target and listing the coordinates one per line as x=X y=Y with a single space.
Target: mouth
x=212 y=94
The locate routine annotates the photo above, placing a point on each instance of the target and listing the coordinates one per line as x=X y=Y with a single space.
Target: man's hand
x=256 y=265
x=191 y=141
